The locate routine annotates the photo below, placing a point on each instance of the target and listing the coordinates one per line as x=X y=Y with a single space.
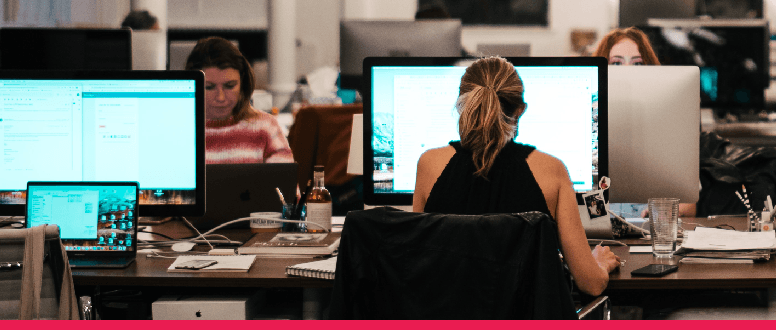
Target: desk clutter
x=290 y=244
x=713 y=245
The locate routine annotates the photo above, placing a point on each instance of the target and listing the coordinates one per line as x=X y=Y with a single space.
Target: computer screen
x=94 y=217
x=733 y=56
x=65 y=49
x=143 y=126
x=410 y=108
x=361 y=39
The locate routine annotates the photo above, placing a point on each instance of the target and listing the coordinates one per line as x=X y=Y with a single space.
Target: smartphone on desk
x=654 y=270
x=196 y=264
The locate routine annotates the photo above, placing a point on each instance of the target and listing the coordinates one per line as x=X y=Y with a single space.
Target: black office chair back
x=403 y=265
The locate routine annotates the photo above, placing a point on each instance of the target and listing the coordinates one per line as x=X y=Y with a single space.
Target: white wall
x=219 y=14
x=317 y=31
x=379 y=9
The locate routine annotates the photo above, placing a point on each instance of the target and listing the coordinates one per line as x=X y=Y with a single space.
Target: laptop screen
x=91 y=216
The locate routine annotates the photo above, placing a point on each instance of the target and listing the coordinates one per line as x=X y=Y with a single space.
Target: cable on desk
x=197 y=230
x=605 y=241
x=157 y=234
x=208 y=233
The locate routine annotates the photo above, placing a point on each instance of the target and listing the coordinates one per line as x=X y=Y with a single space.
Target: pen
x=303 y=198
x=280 y=194
x=750 y=212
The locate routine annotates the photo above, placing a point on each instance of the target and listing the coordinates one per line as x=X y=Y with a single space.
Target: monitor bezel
x=372 y=198
x=146 y=210
x=418 y=37
x=122 y=33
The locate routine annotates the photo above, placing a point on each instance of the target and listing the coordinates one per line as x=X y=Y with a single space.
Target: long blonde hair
x=490 y=101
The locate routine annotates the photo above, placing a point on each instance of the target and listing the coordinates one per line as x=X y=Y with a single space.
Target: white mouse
x=183 y=246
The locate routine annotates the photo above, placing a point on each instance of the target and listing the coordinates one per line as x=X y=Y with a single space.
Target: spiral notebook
x=323 y=269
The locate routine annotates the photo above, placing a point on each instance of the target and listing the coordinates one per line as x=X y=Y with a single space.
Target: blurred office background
x=289 y=39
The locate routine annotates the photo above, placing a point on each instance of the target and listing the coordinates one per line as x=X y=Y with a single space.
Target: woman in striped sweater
x=235 y=131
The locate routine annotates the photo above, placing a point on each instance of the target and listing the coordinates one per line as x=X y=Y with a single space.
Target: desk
x=693 y=276
x=270 y=272
x=265 y=273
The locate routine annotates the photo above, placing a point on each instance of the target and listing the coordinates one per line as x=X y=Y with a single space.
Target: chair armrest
x=598 y=309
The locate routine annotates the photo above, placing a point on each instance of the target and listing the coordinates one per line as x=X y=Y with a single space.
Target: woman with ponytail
x=487 y=172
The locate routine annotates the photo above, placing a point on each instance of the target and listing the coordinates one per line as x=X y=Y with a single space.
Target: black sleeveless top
x=510 y=188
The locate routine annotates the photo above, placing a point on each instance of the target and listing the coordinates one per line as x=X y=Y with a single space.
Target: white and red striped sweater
x=255 y=140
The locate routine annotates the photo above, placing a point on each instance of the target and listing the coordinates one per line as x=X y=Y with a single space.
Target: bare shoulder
x=434 y=154
x=546 y=163
x=433 y=161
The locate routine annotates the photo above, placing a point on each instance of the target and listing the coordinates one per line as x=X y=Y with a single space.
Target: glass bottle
x=318 y=204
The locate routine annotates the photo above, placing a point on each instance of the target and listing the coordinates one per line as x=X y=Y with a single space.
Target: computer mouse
x=183 y=246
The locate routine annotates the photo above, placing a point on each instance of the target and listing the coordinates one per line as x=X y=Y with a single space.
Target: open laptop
x=97 y=220
x=236 y=190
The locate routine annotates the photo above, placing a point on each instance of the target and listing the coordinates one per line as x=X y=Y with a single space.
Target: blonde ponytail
x=491 y=93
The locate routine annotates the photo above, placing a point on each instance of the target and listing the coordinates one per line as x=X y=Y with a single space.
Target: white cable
x=209 y=232
x=200 y=234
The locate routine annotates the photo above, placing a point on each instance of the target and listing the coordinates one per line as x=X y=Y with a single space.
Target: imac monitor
x=410 y=108
x=396 y=38
x=65 y=49
x=654 y=133
x=142 y=126
x=733 y=57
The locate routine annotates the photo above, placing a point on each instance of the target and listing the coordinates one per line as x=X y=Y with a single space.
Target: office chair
x=42 y=288
x=320 y=135
x=405 y=265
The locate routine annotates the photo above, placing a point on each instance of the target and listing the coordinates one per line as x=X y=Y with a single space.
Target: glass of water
x=663 y=217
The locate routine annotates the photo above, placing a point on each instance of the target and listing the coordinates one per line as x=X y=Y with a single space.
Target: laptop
x=97 y=220
x=236 y=190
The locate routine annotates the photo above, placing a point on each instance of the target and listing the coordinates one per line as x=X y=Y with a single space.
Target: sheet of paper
x=693 y=260
x=721 y=239
x=641 y=249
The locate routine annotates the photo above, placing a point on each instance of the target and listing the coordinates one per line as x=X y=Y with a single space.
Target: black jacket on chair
x=404 y=265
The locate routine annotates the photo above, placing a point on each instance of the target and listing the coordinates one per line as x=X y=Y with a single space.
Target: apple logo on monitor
x=245 y=195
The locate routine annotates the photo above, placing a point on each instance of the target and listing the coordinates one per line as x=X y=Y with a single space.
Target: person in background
x=487 y=163
x=235 y=132
x=140 y=20
x=630 y=46
x=627 y=46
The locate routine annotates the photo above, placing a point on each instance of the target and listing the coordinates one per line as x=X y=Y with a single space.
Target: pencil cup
x=663 y=215
x=265 y=222
x=766 y=221
x=291 y=212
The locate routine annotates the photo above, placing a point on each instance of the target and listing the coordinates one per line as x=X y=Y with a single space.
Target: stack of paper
x=721 y=239
x=727 y=245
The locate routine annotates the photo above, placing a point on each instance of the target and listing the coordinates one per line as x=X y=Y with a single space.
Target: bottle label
x=319 y=213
